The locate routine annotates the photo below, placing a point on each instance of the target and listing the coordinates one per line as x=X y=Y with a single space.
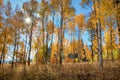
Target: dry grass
x=73 y=71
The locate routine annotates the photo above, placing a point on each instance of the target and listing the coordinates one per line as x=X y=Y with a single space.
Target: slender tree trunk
x=74 y=50
x=37 y=52
x=43 y=37
x=3 y=60
x=73 y=47
x=100 y=44
x=97 y=42
x=92 y=53
x=71 y=43
x=107 y=54
x=118 y=22
x=111 y=43
x=3 y=49
x=61 y=34
x=14 y=52
x=0 y=59
x=17 y=47
x=30 y=41
x=47 y=46
x=58 y=46
x=52 y=38
x=38 y=44
x=79 y=45
x=92 y=46
x=85 y=54
x=99 y=34
x=25 y=50
x=16 y=55
x=24 y=57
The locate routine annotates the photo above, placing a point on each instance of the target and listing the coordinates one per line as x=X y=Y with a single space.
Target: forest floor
x=68 y=71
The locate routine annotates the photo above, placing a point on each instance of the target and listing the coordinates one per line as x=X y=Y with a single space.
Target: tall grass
x=72 y=71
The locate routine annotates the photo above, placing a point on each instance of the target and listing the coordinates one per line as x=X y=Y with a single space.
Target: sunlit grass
x=71 y=71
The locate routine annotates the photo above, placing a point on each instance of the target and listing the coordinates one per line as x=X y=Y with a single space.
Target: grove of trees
x=51 y=32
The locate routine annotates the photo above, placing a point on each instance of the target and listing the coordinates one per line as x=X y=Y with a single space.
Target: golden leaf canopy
x=80 y=20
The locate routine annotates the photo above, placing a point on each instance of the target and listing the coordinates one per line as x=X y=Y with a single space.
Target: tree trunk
x=92 y=46
x=0 y=59
x=107 y=54
x=92 y=53
x=47 y=46
x=58 y=50
x=3 y=50
x=30 y=42
x=38 y=44
x=61 y=34
x=97 y=41
x=73 y=47
x=52 y=37
x=111 y=43
x=79 y=46
x=17 y=47
x=16 y=54
x=43 y=38
x=100 y=44
x=24 y=62
x=15 y=42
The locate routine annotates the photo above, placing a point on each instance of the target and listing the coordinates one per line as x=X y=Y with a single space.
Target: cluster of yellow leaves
x=33 y=4
x=92 y=22
x=95 y=45
x=107 y=8
x=80 y=21
x=30 y=7
x=54 y=4
x=50 y=26
x=54 y=50
x=71 y=26
x=1 y=2
x=1 y=24
x=68 y=12
x=44 y=9
x=74 y=46
x=87 y=51
x=108 y=40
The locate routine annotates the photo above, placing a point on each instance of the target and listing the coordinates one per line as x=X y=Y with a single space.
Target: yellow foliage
x=71 y=26
x=80 y=21
x=1 y=24
x=50 y=26
x=1 y=2
x=108 y=40
x=68 y=12
x=54 y=4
